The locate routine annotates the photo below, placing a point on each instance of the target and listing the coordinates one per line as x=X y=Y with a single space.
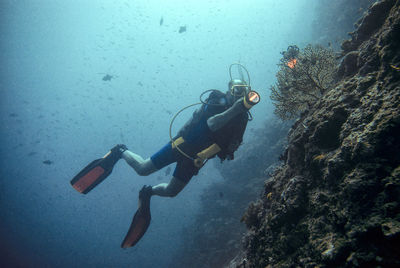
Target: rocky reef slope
x=336 y=200
x=334 y=19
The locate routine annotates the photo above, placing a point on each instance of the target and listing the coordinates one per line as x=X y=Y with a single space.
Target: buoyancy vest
x=197 y=133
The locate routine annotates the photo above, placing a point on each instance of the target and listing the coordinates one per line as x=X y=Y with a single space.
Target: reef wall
x=335 y=202
x=334 y=19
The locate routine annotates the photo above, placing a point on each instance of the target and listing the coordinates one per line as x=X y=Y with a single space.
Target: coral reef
x=335 y=202
x=303 y=77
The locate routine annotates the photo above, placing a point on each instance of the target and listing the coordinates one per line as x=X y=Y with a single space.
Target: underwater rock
x=368 y=24
x=336 y=200
x=334 y=19
x=348 y=66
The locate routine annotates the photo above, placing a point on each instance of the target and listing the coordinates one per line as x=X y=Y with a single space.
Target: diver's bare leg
x=170 y=189
x=141 y=166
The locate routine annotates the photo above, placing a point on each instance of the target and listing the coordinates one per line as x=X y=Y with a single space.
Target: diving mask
x=238 y=88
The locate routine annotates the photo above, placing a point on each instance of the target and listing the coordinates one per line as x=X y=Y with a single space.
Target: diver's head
x=237 y=89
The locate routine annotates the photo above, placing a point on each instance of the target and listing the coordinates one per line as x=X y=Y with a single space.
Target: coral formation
x=336 y=200
x=304 y=77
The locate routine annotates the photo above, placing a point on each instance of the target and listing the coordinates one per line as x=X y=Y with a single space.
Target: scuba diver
x=215 y=129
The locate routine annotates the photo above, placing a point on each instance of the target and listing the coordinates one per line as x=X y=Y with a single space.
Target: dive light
x=251 y=99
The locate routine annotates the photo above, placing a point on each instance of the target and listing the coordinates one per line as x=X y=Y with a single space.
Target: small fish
x=107 y=77
x=13 y=115
x=161 y=21
x=47 y=162
x=32 y=153
x=182 y=29
x=221 y=194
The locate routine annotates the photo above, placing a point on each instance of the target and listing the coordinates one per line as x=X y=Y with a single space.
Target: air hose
x=184 y=108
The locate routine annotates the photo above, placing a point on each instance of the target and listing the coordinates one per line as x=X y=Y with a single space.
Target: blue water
x=56 y=106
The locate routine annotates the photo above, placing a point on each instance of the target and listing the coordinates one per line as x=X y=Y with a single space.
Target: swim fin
x=97 y=170
x=141 y=220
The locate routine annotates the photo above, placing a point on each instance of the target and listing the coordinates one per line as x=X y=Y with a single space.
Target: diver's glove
x=239 y=106
x=118 y=150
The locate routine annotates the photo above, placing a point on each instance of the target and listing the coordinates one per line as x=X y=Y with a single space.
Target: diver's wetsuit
x=223 y=124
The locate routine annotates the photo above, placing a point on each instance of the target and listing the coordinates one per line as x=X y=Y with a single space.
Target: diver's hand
x=238 y=106
x=219 y=120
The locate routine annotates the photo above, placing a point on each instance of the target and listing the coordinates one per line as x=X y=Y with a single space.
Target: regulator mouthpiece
x=251 y=99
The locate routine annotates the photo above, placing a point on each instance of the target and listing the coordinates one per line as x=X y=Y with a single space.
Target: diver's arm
x=219 y=120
